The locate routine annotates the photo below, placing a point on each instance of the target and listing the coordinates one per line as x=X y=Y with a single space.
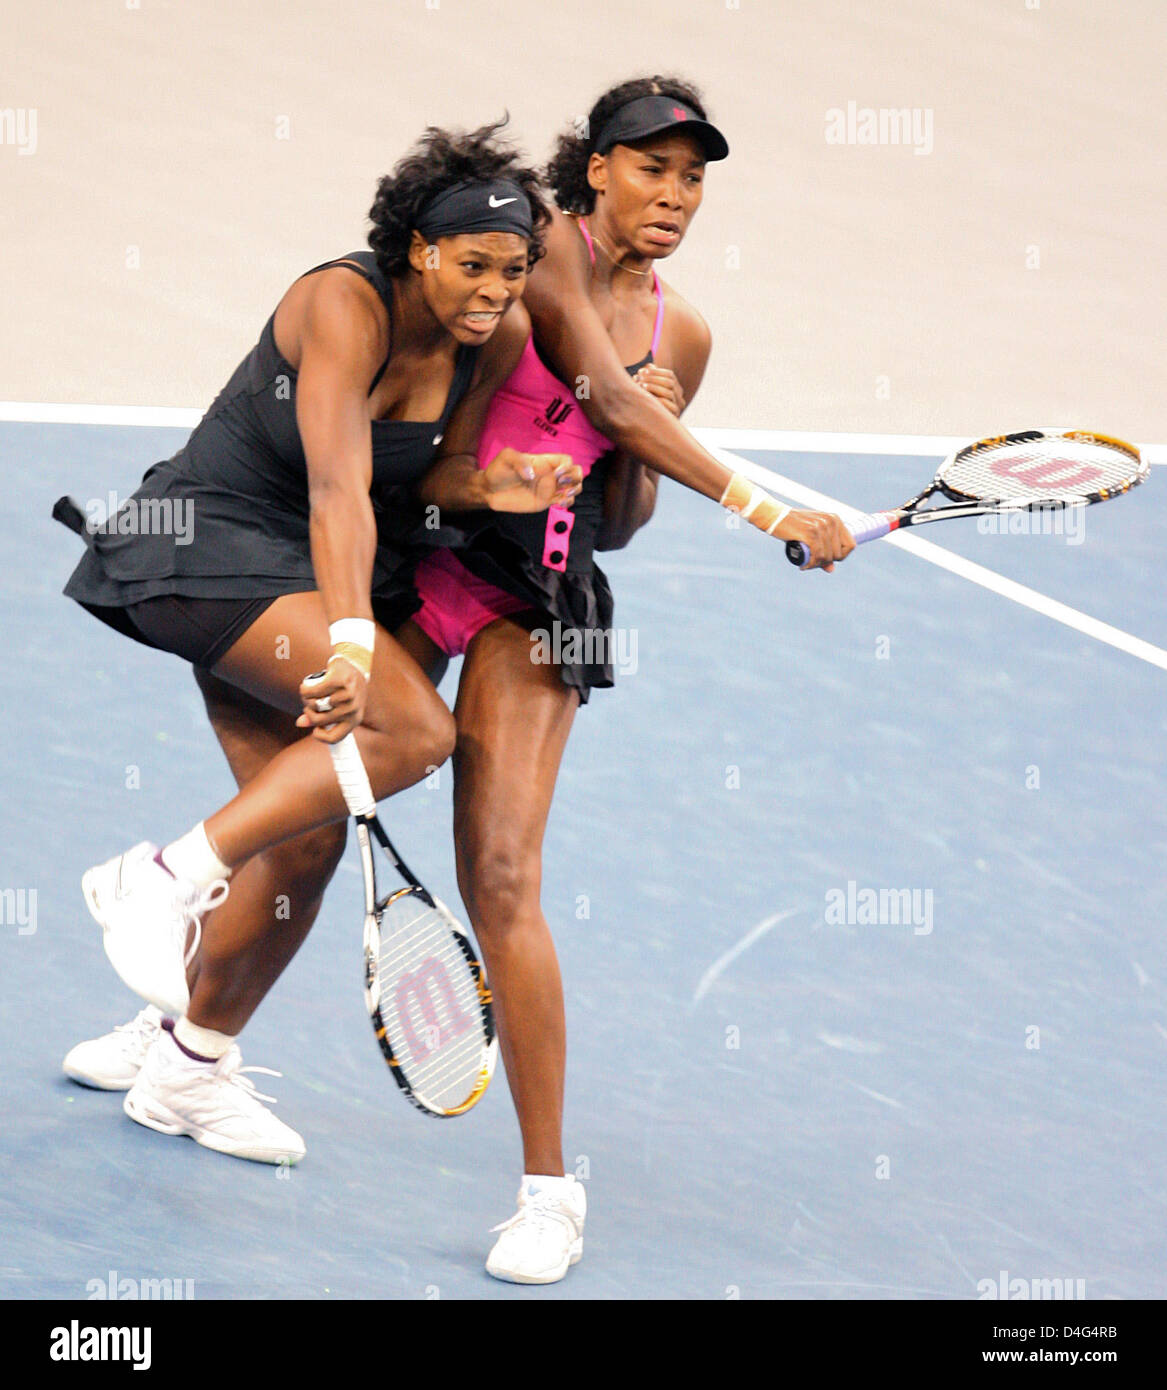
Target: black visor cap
x=655 y=115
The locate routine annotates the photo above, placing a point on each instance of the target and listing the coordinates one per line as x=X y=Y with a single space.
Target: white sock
x=203 y=1042
x=192 y=857
x=547 y=1182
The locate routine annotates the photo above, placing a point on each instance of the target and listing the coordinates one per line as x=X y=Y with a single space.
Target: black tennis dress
x=242 y=481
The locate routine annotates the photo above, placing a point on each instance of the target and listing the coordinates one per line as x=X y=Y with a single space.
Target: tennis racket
x=1031 y=470
x=425 y=989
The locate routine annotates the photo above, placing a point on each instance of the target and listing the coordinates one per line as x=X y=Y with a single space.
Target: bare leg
x=275 y=897
x=514 y=718
x=407 y=730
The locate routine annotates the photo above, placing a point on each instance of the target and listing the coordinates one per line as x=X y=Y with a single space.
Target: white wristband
x=360 y=631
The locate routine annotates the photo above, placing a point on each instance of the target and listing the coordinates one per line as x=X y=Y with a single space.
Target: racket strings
x=446 y=1073
x=1052 y=468
x=430 y=1002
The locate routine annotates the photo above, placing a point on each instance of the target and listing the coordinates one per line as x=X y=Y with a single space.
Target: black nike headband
x=497 y=206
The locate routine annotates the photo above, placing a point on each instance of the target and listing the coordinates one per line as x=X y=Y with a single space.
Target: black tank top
x=261 y=397
x=244 y=478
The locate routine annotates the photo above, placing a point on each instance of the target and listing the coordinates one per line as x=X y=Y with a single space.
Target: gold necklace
x=618 y=264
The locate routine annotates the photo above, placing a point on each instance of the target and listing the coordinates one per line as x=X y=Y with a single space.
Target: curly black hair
x=567 y=171
x=440 y=159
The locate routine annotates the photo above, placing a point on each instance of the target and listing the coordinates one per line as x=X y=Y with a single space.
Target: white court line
x=151 y=416
x=955 y=564
x=781 y=441
x=936 y=446
x=815 y=442
x=717 y=442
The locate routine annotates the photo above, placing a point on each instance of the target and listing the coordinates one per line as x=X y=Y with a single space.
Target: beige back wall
x=1014 y=274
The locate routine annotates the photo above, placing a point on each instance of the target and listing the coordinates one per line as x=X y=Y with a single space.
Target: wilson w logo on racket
x=425 y=989
x=427 y=998
x=1032 y=470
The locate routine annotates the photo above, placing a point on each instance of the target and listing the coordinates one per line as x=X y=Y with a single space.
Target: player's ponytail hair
x=567 y=172
x=440 y=159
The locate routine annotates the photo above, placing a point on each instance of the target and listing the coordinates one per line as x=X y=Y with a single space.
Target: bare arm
x=342 y=343
x=572 y=335
x=629 y=500
x=342 y=340
x=630 y=490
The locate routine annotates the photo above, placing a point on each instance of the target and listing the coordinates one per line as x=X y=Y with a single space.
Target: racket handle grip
x=864 y=528
x=351 y=774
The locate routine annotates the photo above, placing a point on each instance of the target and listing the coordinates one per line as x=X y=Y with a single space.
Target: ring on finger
x=323 y=705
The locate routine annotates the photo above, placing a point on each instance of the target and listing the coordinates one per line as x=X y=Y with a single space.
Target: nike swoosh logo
x=500 y=202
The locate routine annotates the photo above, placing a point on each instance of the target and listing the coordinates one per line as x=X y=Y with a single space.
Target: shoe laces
x=194 y=907
x=143 y=1025
x=541 y=1209
x=232 y=1074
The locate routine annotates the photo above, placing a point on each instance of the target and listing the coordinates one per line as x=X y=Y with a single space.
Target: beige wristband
x=360 y=657
x=754 y=505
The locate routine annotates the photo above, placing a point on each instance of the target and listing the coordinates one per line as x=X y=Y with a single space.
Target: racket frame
x=873 y=525
x=370 y=826
x=358 y=796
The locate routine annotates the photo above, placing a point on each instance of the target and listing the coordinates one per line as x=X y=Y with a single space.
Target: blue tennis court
x=857 y=888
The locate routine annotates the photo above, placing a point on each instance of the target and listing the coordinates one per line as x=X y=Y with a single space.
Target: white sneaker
x=112 y=1062
x=545 y=1236
x=213 y=1102
x=145 y=914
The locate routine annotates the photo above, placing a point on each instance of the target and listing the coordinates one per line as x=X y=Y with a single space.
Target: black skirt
x=191 y=531
x=187 y=535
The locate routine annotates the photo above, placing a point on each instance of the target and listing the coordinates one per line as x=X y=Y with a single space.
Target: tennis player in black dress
x=290 y=478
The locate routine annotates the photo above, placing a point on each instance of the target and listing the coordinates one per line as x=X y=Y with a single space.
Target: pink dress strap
x=583 y=226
